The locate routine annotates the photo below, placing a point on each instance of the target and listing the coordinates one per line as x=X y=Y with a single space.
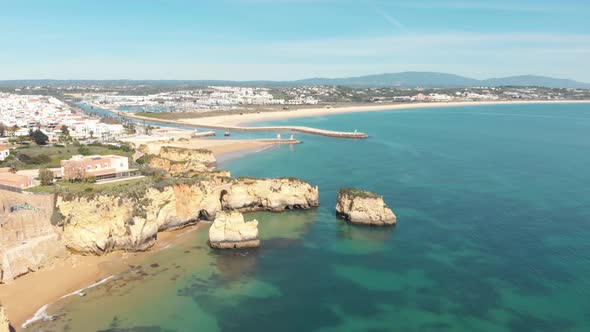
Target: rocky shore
x=362 y=207
x=50 y=228
x=101 y=223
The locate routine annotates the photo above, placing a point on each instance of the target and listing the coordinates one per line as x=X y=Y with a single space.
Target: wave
x=80 y=292
x=42 y=315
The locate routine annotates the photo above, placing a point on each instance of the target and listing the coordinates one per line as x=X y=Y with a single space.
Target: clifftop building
x=101 y=167
x=4 y=152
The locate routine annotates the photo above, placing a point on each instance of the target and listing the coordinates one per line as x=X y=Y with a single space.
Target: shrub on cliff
x=354 y=192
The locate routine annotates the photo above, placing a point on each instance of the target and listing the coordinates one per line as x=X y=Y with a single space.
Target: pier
x=299 y=129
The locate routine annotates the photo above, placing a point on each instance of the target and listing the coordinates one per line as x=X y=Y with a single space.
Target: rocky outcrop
x=104 y=223
x=365 y=208
x=230 y=231
x=100 y=223
x=28 y=240
x=180 y=161
x=4 y=323
x=277 y=195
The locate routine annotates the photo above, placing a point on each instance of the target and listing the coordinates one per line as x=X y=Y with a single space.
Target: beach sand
x=26 y=295
x=219 y=147
x=236 y=119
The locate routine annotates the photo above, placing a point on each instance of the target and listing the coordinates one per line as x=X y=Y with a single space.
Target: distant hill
x=401 y=80
x=531 y=80
x=405 y=79
x=440 y=80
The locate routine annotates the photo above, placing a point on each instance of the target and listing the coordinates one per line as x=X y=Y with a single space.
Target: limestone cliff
x=28 y=240
x=4 y=323
x=105 y=222
x=181 y=161
x=230 y=231
x=102 y=222
x=363 y=207
x=248 y=194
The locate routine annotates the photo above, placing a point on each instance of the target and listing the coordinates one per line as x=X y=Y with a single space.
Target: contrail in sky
x=392 y=20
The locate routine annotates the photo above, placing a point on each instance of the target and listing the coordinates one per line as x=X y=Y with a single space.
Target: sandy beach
x=26 y=295
x=236 y=119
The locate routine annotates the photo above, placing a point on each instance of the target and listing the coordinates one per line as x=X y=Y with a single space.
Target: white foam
x=41 y=314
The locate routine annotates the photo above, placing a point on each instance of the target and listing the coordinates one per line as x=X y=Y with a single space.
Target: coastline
x=249 y=118
x=29 y=295
x=26 y=295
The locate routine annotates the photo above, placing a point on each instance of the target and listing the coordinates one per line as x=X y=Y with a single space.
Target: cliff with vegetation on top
x=363 y=207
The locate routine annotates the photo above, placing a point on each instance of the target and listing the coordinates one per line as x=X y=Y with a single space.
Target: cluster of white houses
x=20 y=113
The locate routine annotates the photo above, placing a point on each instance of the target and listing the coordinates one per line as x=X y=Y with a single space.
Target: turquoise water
x=493 y=206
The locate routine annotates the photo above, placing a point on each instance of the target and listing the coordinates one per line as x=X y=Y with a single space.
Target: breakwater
x=299 y=129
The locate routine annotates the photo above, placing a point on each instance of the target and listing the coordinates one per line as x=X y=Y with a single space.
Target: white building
x=4 y=152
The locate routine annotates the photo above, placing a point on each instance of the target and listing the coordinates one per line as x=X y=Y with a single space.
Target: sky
x=291 y=39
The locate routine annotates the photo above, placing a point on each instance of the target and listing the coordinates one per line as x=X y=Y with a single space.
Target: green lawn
x=81 y=187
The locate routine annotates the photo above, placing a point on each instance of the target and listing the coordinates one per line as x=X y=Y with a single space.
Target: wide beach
x=248 y=118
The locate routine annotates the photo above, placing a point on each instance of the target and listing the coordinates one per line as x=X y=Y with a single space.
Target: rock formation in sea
x=277 y=195
x=4 y=322
x=364 y=208
x=130 y=220
x=38 y=228
x=230 y=231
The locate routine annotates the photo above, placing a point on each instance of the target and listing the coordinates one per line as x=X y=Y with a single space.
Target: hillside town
x=205 y=99
x=21 y=113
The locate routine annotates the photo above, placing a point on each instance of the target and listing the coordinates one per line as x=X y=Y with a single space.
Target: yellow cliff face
x=230 y=231
x=247 y=195
x=104 y=223
x=28 y=240
x=180 y=161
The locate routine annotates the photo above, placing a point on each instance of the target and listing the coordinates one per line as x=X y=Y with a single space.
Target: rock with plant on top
x=362 y=207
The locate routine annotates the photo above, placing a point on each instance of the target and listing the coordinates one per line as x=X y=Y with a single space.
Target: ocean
x=493 y=207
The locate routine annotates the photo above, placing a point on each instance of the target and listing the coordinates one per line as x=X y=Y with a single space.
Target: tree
x=39 y=137
x=13 y=130
x=65 y=134
x=14 y=165
x=2 y=130
x=46 y=177
x=91 y=134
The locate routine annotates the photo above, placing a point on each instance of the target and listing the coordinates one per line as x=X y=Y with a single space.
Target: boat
x=227 y=134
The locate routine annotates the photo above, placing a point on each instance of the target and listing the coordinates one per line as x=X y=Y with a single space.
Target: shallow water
x=493 y=206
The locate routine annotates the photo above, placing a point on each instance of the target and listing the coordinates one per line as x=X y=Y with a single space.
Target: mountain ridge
x=408 y=79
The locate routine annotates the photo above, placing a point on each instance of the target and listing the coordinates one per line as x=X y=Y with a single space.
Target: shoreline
x=251 y=118
x=27 y=297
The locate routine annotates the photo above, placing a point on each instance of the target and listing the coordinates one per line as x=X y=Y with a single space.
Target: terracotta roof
x=4 y=147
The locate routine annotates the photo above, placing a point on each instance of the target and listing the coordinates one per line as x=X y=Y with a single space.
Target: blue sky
x=291 y=39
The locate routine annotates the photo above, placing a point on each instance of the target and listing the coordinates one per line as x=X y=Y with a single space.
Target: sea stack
x=362 y=207
x=230 y=231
